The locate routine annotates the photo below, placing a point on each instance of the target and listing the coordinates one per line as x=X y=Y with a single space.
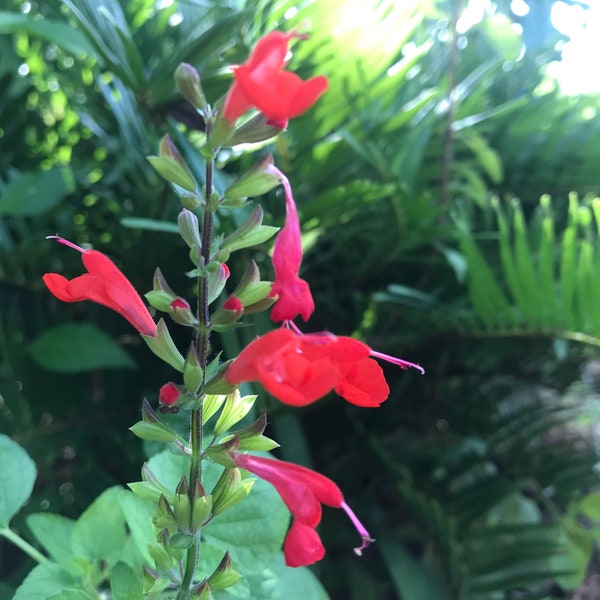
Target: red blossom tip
x=169 y=394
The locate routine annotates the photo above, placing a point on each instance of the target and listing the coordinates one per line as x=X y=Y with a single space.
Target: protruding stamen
x=64 y=242
x=364 y=534
x=403 y=364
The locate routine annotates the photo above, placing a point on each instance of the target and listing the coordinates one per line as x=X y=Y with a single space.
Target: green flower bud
x=189 y=229
x=193 y=374
x=164 y=517
x=182 y=507
x=188 y=82
x=224 y=575
x=229 y=490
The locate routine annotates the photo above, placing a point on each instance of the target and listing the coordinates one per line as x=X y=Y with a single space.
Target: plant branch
x=18 y=541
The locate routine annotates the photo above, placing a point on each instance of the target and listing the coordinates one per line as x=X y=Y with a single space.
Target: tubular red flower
x=294 y=296
x=301 y=368
x=103 y=284
x=303 y=491
x=262 y=83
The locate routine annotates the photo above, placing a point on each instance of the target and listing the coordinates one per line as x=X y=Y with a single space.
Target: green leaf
x=590 y=506
x=125 y=584
x=34 y=193
x=412 y=580
x=99 y=533
x=17 y=477
x=71 y=594
x=73 y=348
x=43 y=581
x=53 y=532
x=62 y=34
x=150 y=224
x=138 y=514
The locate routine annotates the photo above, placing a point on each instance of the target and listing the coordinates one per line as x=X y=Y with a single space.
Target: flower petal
x=302 y=546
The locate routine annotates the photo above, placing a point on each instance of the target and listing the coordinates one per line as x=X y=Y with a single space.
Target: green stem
x=18 y=541
x=202 y=346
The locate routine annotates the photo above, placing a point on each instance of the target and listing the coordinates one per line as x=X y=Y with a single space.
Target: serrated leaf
x=17 y=476
x=77 y=347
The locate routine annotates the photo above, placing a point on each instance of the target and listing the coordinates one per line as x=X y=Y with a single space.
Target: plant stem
x=18 y=541
x=202 y=347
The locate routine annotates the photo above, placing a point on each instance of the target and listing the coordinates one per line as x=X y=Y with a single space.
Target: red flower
x=262 y=83
x=104 y=284
x=303 y=491
x=169 y=394
x=301 y=368
x=294 y=296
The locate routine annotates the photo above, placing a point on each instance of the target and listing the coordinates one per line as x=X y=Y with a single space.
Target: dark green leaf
x=72 y=348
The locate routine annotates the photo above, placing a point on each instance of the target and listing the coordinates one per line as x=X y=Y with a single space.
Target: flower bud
x=182 y=507
x=169 y=394
x=229 y=490
x=193 y=374
x=224 y=575
x=181 y=312
x=163 y=517
x=189 y=229
x=216 y=281
x=188 y=82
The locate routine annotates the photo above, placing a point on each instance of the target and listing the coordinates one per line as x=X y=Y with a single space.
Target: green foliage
x=16 y=482
x=474 y=474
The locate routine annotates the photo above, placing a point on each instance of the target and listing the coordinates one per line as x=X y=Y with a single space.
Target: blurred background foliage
x=447 y=190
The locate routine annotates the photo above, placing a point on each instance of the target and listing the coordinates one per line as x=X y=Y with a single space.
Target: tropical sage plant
x=210 y=515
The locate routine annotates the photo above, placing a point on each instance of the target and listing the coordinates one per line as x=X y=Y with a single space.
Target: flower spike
x=104 y=284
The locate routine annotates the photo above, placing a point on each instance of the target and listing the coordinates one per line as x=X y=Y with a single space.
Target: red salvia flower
x=103 y=284
x=303 y=491
x=294 y=296
x=262 y=83
x=300 y=368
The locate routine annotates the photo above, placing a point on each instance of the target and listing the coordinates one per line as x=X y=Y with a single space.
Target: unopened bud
x=188 y=82
x=169 y=394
